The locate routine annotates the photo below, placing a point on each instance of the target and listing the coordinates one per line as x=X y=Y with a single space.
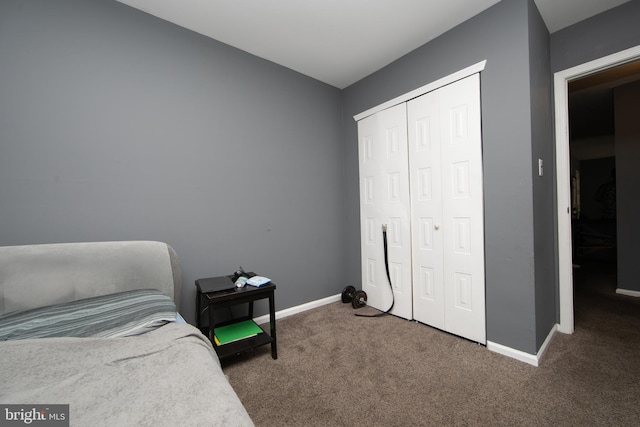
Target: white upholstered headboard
x=39 y=275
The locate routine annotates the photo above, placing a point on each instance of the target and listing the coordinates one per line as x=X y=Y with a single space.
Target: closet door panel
x=421 y=176
x=423 y=117
x=384 y=199
x=462 y=204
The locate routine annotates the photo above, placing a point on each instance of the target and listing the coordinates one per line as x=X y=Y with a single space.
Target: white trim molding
x=561 y=80
x=458 y=75
x=628 y=292
x=531 y=359
x=299 y=308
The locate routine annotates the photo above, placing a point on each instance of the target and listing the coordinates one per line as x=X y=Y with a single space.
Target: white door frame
x=563 y=173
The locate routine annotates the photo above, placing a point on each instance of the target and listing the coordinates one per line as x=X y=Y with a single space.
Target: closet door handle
x=437 y=226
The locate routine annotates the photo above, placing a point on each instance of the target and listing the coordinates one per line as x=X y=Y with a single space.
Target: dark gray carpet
x=335 y=369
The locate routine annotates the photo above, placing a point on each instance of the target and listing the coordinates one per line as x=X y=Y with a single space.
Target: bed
x=94 y=326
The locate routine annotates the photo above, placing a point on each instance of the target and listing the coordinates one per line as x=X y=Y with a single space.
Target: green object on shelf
x=236 y=331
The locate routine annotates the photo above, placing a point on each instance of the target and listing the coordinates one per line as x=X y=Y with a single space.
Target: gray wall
x=542 y=147
x=602 y=35
x=627 y=183
x=501 y=36
x=115 y=125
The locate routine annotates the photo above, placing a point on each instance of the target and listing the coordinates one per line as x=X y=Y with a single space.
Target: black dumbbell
x=358 y=299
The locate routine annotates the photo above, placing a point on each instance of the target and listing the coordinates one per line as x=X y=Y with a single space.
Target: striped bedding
x=115 y=315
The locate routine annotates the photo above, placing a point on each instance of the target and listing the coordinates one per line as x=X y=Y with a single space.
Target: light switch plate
x=540 y=170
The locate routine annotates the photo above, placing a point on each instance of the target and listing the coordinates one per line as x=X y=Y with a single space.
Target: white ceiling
x=341 y=41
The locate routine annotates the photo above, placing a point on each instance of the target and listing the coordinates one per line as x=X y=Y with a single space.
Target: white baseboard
x=547 y=341
x=531 y=359
x=628 y=292
x=299 y=308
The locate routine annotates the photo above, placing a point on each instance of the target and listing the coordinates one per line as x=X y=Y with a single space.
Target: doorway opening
x=577 y=238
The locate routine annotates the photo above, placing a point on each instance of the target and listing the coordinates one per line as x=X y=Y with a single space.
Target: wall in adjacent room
x=627 y=183
x=116 y=125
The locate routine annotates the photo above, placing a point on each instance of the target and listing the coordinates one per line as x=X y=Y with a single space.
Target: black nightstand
x=235 y=296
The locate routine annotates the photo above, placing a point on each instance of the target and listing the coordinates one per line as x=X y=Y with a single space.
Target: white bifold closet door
x=421 y=175
x=445 y=164
x=384 y=199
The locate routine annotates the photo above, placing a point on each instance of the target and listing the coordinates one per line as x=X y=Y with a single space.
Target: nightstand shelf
x=226 y=298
